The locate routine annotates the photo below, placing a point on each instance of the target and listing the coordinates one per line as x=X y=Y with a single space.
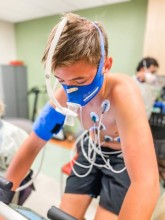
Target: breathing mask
x=81 y=95
x=77 y=95
x=150 y=78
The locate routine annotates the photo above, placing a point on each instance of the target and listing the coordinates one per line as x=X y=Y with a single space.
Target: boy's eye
x=74 y=81
x=61 y=81
x=80 y=81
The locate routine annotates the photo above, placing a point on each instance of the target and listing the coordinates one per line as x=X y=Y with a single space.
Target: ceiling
x=22 y=10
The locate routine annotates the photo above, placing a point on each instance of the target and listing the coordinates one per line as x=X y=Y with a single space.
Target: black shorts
x=111 y=187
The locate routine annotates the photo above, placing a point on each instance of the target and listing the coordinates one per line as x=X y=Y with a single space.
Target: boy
x=117 y=159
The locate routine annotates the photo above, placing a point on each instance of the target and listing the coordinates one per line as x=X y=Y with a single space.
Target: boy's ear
x=107 y=64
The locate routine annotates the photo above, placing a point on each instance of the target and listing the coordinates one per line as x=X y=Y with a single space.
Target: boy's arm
x=48 y=122
x=138 y=151
x=23 y=159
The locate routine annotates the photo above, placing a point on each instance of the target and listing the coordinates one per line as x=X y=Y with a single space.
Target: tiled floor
x=48 y=183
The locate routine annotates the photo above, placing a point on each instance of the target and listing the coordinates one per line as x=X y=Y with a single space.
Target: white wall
x=7 y=42
x=154 y=44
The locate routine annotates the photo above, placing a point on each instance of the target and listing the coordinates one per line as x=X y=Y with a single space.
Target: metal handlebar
x=5 y=184
x=56 y=214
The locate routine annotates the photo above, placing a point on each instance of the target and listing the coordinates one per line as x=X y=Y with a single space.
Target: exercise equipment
x=157 y=124
x=16 y=212
x=36 y=91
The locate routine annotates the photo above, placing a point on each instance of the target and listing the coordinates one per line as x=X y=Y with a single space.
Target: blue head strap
x=83 y=94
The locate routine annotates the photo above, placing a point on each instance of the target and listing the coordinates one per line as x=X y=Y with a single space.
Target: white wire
x=102 y=155
x=81 y=117
x=35 y=176
x=73 y=161
x=48 y=69
x=49 y=62
x=82 y=175
x=92 y=162
x=94 y=147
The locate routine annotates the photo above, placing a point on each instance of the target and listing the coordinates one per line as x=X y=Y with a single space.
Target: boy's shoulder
x=121 y=81
x=121 y=87
x=124 y=92
x=120 y=76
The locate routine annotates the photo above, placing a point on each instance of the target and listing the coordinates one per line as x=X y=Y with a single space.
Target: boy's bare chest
x=106 y=120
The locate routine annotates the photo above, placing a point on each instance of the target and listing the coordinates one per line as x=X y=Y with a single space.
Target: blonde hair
x=2 y=108
x=79 y=40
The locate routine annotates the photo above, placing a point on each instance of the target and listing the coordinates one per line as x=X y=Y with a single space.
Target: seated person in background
x=11 y=138
x=146 y=78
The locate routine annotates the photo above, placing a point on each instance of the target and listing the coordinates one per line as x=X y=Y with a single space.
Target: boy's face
x=77 y=74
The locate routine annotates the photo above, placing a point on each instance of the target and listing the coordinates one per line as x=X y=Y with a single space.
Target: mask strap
x=101 y=46
x=48 y=68
x=145 y=65
x=101 y=40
